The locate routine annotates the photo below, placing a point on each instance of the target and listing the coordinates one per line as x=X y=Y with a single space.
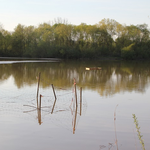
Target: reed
x=138 y=131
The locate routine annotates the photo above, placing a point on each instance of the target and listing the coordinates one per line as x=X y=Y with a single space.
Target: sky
x=35 y=12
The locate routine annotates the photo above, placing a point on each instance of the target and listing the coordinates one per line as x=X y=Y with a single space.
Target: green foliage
x=127 y=52
x=128 y=48
x=138 y=131
x=107 y=38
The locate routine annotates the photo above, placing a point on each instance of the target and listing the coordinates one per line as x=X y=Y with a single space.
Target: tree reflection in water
x=113 y=78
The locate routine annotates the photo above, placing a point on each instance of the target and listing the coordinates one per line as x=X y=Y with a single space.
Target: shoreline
x=61 y=59
x=26 y=58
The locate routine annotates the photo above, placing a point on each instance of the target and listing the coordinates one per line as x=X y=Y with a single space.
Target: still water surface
x=114 y=113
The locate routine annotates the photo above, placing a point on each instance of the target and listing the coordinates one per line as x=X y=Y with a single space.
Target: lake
x=74 y=108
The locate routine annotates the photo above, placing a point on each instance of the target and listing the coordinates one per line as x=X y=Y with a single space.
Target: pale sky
x=34 y=12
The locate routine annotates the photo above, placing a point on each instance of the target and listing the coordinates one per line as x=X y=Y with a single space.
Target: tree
x=18 y=41
x=109 y=25
x=30 y=41
x=5 y=42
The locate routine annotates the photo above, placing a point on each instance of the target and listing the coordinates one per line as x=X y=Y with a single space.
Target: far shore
x=26 y=58
x=102 y=58
x=57 y=59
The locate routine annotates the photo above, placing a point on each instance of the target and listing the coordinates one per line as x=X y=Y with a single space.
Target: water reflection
x=115 y=129
x=56 y=106
x=39 y=116
x=99 y=129
x=38 y=108
x=113 y=78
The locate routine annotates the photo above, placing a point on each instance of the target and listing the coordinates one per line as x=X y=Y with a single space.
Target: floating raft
x=93 y=68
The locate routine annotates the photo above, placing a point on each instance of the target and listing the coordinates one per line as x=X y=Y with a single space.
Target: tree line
x=63 y=40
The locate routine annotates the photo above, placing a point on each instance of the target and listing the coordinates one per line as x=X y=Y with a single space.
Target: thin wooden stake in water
x=75 y=89
x=80 y=100
x=38 y=88
x=40 y=102
x=75 y=119
x=55 y=98
x=39 y=117
x=39 y=111
x=54 y=91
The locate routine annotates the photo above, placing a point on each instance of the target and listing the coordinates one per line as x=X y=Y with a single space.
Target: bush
x=128 y=52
